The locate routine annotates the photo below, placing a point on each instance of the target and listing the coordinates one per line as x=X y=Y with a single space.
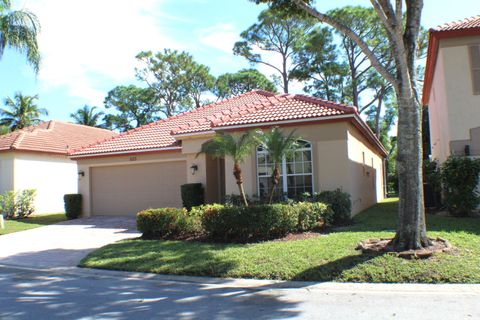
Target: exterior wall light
x=193 y=168
x=81 y=173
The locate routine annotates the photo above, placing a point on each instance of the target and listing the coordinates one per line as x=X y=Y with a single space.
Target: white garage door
x=125 y=190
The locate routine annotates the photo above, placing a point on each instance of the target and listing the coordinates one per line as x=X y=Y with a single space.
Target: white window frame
x=284 y=174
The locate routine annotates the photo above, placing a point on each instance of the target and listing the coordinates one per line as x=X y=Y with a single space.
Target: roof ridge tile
x=466 y=23
x=18 y=140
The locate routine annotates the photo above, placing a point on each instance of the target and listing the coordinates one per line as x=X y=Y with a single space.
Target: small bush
x=17 y=205
x=26 y=203
x=432 y=184
x=192 y=195
x=313 y=216
x=340 y=204
x=8 y=204
x=73 y=205
x=168 y=223
x=460 y=180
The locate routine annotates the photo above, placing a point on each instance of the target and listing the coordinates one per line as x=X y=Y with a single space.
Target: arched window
x=296 y=171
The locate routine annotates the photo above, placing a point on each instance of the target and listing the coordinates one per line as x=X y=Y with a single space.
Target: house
x=452 y=89
x=145 y=167
x=37 y=158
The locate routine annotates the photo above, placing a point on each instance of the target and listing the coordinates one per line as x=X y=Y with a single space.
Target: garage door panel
x=127 y=189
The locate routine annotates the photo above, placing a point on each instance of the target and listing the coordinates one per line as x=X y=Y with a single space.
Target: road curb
x=256 y=285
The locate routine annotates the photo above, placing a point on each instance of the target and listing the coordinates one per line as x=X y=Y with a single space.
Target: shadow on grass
x=332 y=270
x=40 y=219
x=166 y=257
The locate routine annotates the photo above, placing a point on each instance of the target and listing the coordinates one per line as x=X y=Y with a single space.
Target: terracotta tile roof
x=250 y=108
x=287 y=107
x=158 y=135
x=468 y=23
x=53 y=137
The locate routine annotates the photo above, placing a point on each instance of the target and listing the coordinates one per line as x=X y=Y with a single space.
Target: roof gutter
x=102 y=154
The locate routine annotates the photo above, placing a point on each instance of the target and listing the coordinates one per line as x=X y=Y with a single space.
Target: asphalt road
x=86 y=294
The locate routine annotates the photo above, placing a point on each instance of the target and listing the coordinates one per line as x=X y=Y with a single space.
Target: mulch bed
x=205 y=238
x=299 y=236
x=383 y=245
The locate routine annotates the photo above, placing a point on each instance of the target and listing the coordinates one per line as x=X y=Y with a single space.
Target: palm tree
x=22 y=112
x=19 y=30
x=235 y=146
x=87 y=116
x=4 y=130
x=278 y=146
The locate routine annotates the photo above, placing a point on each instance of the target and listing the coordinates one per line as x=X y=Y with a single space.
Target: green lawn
x=31 y=222
x=330 y=257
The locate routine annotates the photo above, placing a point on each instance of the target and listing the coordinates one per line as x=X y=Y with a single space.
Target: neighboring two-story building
x=452 y=89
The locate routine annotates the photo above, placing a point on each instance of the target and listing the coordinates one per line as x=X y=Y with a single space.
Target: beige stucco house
x=37 y=158
x=452 y=89
x=145 y=167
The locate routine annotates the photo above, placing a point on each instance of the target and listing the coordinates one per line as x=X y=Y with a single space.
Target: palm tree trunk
x=275 y=182
x=237 y=172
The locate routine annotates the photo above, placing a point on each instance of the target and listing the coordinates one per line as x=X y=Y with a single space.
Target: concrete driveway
x=64 y=244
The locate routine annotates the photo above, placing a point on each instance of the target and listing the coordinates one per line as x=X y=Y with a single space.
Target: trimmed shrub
x=460 y=179
x=73 y=205
x=313 y=215
x=192 y=195
x=241 y=224
x=165 y=223
x=340 y=204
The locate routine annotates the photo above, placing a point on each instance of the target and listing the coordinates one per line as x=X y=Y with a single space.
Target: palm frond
x=277 y=144
x=19 y=30
x=236 y=146
x=21 y=111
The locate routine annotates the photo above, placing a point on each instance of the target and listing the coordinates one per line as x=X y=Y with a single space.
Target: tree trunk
x=377 y=115
x=285 y=75
x=237 y=172
x=275 y=182
x=411 y=229
x=354 y=88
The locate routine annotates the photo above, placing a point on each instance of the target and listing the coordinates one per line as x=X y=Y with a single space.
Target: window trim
x=283 y=166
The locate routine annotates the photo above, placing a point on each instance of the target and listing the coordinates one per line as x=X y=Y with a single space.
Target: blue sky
x=89 y=47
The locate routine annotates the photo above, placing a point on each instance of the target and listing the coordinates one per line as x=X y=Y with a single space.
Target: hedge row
x=168 y=223
x=234 y=223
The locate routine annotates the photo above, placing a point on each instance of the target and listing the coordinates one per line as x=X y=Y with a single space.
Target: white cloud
x=84 y=43
x=221 y=36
